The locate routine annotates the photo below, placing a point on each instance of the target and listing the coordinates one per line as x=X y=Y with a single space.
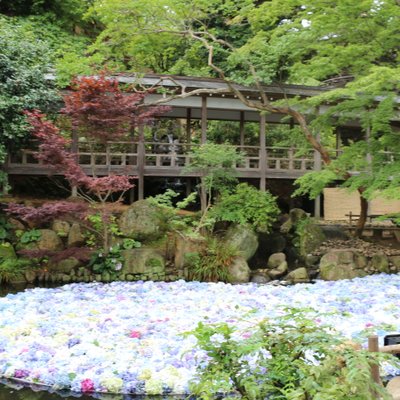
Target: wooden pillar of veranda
x=203 y=194
x=133 y=148
x=241 y=128
x=141 y=162
x=263 y=154
x=75 y=150
x=187 y=148
x=317 y=167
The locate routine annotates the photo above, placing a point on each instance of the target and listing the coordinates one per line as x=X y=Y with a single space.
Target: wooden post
x=188 y=186
x=187 y=148
x=373 y=346
x=188 y=130
x=338 y=141
x=241 y=128
x=317 y=167
x=203 y=119
x=75 y=151
x=141 y=163
x=263 y=154
x=368 y=159
x=203 y=193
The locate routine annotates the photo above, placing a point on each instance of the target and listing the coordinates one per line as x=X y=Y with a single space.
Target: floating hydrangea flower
x=127 y=336
x=135 y=334
x=87 y=386
x=21 y=373
x=112 y=384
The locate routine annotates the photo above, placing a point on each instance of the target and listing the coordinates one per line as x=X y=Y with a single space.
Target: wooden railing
x=115 y=155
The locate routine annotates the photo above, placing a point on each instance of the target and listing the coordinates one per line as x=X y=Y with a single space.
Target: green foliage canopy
x=246 y=204
x=22 y=85
x=284 y=357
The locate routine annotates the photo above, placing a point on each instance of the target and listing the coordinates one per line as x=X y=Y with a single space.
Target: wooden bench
x=356 y=217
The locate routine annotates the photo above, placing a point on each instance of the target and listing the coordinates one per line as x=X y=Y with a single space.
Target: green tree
x=247 y=205
x=308 y=42
x=67 y=13
x=216 y=164
x=22 y=86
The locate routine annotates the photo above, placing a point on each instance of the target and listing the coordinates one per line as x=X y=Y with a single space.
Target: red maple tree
x=100 y=111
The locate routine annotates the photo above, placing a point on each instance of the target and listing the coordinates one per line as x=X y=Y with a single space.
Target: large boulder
x=75 y=236
x=379 y=263
x=295 y=215
x=65 y=266
x=299 y=275
x=239 y=271
x=395 y=261
x=143 y=261
x=275 y=260
x=61 y=227
x=260 y=276
x=184 y=247
x=279 y=271
x=340 y=264
x=142 y=221
x=244 y=239
x=310 y=237
x=49 y=240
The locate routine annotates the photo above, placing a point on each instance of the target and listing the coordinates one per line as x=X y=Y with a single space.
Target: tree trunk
x=363 y=214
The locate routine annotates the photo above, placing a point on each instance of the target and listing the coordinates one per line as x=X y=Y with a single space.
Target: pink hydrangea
x=135 y=334
x=87 y=386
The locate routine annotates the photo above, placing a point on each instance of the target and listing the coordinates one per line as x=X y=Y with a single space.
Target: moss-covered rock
x=395 y=261
x=143 y=261
x=244 y=239
x=7 y=251
x=75 y=236
x=340 y=264
x=275 y=260
x=186 y=246
x=61 y=227
x=49 y=240
x=142 y=221
x=295 y=216
x=66 y=266
x=239 y=271
x=379 y=263
x=309 y=238
x=299 y=275
x=279 y=271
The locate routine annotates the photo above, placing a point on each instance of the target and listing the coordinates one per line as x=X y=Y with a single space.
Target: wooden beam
x=203 y=119
x=263 y=154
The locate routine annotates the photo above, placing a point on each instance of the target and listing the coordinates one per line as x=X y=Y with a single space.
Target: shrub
x=246 y=204
x=212 y=265
x=12 y=268
x=285 y=357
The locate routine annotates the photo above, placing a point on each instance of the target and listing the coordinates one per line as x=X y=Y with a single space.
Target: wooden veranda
x=144 y=159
